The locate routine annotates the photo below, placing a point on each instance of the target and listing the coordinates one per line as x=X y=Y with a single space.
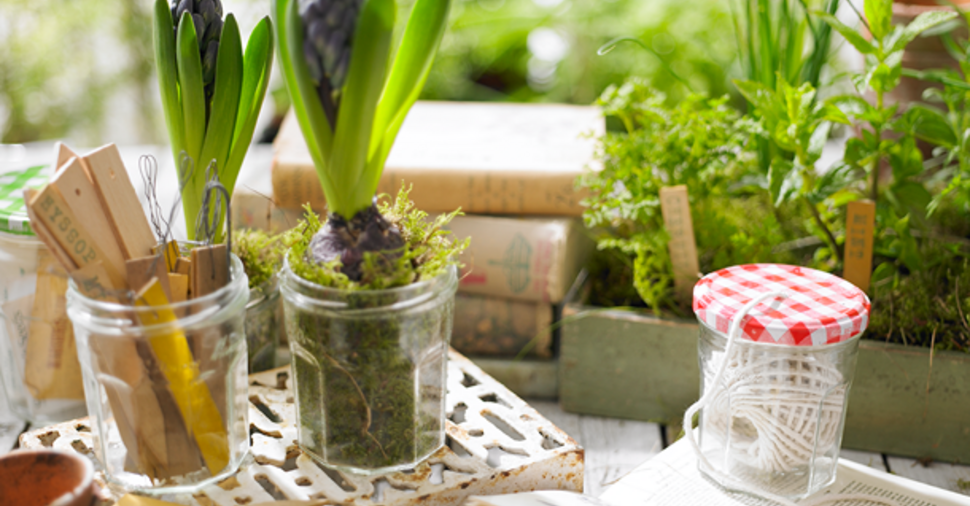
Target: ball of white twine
x=780 y=405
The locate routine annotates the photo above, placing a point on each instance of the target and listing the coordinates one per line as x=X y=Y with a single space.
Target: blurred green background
x=83 y=70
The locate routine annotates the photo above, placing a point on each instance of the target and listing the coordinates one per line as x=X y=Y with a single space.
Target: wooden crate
x=631 y=365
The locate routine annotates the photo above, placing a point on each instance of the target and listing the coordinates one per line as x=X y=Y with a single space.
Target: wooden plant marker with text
x=83 y=249
x=129 y=223
x=78 y=193
x=860 y=223
x=195 y=401
x=92 y=280
x=45 y=235
x=683 y=249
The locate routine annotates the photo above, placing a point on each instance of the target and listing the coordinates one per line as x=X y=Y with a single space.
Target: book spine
x=493 y=326
x=524 y=192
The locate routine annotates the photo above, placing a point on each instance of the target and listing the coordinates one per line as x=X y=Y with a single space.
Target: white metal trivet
x=497 y=444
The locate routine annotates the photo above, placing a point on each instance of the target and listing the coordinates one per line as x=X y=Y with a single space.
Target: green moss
x=428 y=250
x=260 y=254
x=370 y=384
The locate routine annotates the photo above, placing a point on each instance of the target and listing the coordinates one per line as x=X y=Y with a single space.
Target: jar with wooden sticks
x=166 y=384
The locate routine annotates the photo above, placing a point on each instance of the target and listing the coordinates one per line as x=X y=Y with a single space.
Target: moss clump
x=427 y=252
x=260 y=253
x=369 y=376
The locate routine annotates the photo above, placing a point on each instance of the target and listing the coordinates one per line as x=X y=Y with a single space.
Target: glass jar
x=264 y=324
x=39 y=370
x=166 y=387
x=369 y=369
x=773 y=423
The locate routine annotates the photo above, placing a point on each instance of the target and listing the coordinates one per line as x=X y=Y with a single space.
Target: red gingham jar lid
x=820 y=309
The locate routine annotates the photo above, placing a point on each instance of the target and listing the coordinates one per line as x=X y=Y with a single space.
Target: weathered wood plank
x=947 y=476
x=533 y=379
x=655 y=360
x=614 y=448
x=896 y=406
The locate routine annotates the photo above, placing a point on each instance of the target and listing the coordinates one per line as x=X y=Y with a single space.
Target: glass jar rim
x=238 y=281
x=329 y=297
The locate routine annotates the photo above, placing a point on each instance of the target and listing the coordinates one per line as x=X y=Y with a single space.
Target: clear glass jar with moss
x=260 y=254
x=369 y=331
x=370 y=369
x=264 y=324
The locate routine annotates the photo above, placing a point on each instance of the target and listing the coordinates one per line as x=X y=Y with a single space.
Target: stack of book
x=511 y=168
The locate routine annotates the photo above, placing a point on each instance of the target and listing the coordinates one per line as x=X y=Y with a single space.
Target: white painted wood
x=946 y=476
x=873 y=460
x=613 y=447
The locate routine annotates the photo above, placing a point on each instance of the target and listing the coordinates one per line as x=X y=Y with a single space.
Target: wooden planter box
x=630 y=365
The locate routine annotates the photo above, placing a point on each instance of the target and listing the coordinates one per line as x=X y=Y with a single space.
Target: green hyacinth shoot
x=211 y=91
x=351 y=88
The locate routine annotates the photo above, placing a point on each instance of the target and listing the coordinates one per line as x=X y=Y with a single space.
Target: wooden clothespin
x=210 y=269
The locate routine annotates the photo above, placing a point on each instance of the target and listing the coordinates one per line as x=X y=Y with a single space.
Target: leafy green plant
x=779 y=41
x=497 y=50
x=948 y=128
x=211 y=92
x=701 y=143
x=886 y=134
x=798 y=126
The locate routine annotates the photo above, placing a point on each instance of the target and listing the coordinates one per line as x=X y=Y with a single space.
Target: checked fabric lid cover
x=820 y=309
x=13 y=211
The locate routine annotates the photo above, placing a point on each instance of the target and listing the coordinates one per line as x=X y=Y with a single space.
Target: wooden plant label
x=142 y=270
x=195 y=401
x=120 y=202
x=45 y=235
x=78 y=192
x=683 y=250
x=210 y=269
x=859 y=232
x=51 y=367
x=179 y=285
x=83 y=249
x=64 y=154
x=93 y=281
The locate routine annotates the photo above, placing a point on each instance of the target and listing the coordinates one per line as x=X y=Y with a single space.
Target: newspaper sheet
x=672 y=479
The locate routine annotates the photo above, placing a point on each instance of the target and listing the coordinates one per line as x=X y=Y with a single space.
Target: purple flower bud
x=340 y=73
x=312 y=61
x=209 y=62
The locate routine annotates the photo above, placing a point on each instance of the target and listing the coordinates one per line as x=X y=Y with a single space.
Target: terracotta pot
x=46 y=478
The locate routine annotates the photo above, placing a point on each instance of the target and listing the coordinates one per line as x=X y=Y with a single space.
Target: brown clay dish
x=46 y=478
